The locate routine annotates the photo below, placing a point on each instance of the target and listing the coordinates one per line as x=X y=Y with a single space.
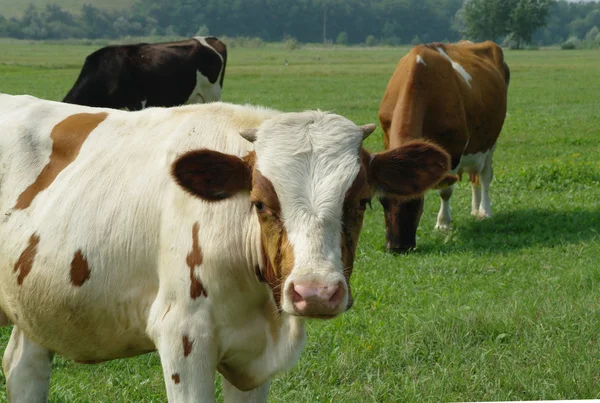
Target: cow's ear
x=211 y=175
x=409 y=170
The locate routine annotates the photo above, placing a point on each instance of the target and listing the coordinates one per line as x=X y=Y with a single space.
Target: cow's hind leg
x=444 y=218
x=475 y=194
x=486 y=177
x=232 y=394
x=27 y=368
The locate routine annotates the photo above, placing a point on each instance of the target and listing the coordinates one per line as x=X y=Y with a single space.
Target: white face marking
x=311 y=168
x=460 y=69
x=420 y=60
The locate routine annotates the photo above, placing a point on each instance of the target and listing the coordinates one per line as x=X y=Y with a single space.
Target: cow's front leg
x=27 y=368
x=188 y=352
x=231 y=394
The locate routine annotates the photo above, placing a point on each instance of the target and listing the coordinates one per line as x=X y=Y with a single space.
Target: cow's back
x=84 y=195
x=450 y=94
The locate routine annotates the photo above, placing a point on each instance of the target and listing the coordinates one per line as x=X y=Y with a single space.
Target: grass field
x=502 y=309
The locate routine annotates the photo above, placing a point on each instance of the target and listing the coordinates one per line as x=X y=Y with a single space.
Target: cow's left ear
x=408 y=170
x=211 y=175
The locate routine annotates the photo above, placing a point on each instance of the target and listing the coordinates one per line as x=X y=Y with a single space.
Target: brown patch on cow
x=25 y=261
x=67 y=138
x=80 y=269
x=187 y=346
x=193 y=260
x=176 y=379
x=263 y=191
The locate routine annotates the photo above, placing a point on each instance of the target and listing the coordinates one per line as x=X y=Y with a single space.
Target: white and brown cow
x=454 y=96
x=165 y=229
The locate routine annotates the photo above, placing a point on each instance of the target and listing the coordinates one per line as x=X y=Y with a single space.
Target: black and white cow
x=160 y=74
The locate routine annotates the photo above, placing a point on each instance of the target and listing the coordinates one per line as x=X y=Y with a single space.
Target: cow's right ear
x=410 y=169
x=211 y=175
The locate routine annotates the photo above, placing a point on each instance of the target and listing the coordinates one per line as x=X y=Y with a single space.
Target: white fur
x=460 y=69
x=420 y=60
x=118 y=203
x=312 y=210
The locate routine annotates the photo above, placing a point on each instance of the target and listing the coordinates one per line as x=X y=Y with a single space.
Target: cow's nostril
x=337 y=296
x=296 y=296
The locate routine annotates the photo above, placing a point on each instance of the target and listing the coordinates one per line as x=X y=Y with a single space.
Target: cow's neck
x=274 y=340
x=408 y=121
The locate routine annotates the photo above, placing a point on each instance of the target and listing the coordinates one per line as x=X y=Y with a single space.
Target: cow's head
x=310 y=181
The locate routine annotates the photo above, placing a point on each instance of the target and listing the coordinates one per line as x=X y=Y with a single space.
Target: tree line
x=390 y=22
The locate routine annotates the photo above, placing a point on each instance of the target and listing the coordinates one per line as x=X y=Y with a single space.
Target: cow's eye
x=260 y=207
x=362 y=204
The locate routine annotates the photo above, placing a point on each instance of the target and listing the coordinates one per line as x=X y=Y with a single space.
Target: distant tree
x=202 y=31
x=97 y=23
x=492 y=19
x=370 y=40
x=526 y=17
x=485 y=19
x=592 y=34
x=342 y=38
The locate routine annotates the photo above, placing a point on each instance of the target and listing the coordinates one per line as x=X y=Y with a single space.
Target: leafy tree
x=491 y=19
x=342 y=38
x=485 y=19
x=526 y=17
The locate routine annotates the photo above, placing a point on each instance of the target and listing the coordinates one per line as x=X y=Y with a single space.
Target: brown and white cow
x=165 y=229
x=152 y=74
x=454 y=96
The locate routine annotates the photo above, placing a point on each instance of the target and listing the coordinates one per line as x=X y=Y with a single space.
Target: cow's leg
x=444 y=218
x=187 y=352
x=475 y=196
x=232 y=394
x=27 y=368
x=486 y=176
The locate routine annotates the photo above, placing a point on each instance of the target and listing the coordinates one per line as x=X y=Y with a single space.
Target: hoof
x=443 y=227
x=482 y=215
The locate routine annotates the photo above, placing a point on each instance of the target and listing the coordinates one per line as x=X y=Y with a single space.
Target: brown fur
x=193 y=260
x=68 y=136
x=26 y=259
x=187 y=346
x=80 y=270
x=211 y=175
x=434 y=102
x=278 y=253
x=411 y=157
x=176 y=378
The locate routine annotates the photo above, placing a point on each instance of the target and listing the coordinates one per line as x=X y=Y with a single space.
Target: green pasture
x=502 y=309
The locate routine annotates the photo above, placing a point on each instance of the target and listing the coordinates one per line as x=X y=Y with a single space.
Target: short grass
x=502 y=309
